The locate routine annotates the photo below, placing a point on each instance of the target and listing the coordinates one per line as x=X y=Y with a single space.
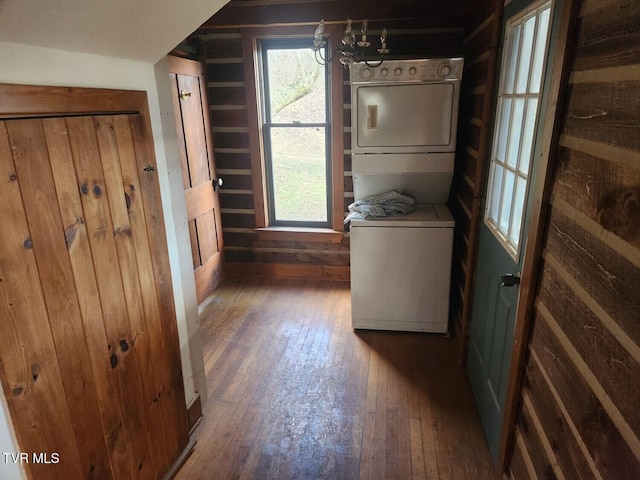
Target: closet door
x=89 y=354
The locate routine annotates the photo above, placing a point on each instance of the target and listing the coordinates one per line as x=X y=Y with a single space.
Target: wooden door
x=199 y=178
x=89 y=354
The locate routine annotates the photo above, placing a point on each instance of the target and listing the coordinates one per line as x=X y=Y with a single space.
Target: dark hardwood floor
x=296 y=393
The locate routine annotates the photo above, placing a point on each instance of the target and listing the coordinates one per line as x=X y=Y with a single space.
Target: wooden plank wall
x=245 y=251
x=474 y=144
x=578 y=414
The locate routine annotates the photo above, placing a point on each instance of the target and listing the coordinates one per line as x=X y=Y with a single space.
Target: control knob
x=398 y=71
x=366 y=73
x=412 y=71
x=444 y=70
x=384 y=72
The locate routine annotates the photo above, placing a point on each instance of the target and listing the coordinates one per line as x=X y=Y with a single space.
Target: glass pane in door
x=526 y=43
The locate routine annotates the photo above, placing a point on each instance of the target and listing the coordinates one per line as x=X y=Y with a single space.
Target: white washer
x=401 y=270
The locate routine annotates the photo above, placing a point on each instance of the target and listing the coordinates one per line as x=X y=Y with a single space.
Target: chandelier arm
x=371 y=64
x=319 y=58
x=326 y=61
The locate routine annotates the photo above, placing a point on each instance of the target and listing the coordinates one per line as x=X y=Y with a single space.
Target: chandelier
x=351 y=51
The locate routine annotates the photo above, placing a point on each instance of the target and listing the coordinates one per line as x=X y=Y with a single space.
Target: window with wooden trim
x=296 y=132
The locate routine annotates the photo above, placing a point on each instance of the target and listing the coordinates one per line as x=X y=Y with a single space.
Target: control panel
x=423 y=70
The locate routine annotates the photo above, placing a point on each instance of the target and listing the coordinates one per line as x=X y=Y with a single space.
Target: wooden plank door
x=89 y=355
x=198 y=172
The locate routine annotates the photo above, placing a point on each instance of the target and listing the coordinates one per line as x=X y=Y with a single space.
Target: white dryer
x=404 y=118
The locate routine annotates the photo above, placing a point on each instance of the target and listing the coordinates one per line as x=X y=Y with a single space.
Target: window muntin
x=296 y=134
x=526 y=43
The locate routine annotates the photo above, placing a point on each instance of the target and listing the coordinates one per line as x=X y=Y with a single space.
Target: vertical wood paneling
x=32 y=376
x=89 y=353
x=77 y=244
x=100 y=229
x=61 y=298
x=159 y=344
x=123 y=234
x=172 y=388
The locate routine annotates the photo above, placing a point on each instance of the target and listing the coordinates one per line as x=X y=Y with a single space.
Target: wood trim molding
x=184 y=456
x=281 y=270
x=535 y=238
x=194 y=413
x=23 y=101
x=337 y=131
x=253 y=121
x=288 y=234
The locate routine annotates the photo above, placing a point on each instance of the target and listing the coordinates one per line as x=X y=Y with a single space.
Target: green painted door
x=519 y=113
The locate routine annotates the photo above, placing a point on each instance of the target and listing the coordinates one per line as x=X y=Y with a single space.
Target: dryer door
x=405 y=117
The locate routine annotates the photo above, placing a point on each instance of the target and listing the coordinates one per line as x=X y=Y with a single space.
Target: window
x=518 y=104
x=296 y=134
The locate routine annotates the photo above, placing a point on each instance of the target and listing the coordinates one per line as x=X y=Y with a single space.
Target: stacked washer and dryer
x=403 y=123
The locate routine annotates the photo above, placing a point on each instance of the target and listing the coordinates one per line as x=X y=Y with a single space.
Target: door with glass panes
x=519 y=112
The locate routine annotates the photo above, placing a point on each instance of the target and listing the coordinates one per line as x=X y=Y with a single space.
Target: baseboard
x=188 y=450
x=194 y=413
x=288 y=270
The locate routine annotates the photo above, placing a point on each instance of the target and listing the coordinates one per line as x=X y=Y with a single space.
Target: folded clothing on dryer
x=382 y=205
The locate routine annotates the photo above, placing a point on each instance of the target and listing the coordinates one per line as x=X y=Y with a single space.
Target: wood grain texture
x=531 y=443
x=175 y=91
x=20 y=101
x=107 y=385
x=612 y=280
x=151 y=200
x=191 y=112
x=585 y=337
x=606 y=34
x=596 y=344
x=31 y=377
x=103 y=244
x=296 y=393
x=583 y=180
x=606 y=112
x=94 y=369
x=161 y=346
x=59 y=289
x=518 y=469
x=606 y=447
x=108 y=131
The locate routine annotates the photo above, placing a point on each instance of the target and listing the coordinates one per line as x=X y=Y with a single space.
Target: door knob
x=217 y=184
x=510 y=280
x=184 y=95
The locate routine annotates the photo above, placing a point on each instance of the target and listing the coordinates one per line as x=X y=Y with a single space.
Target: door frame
x=534 y=239
x=19 y=101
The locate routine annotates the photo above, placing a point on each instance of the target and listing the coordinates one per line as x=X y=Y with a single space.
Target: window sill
x=300 y=234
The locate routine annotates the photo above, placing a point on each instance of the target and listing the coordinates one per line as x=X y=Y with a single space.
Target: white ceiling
x=143 y=30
